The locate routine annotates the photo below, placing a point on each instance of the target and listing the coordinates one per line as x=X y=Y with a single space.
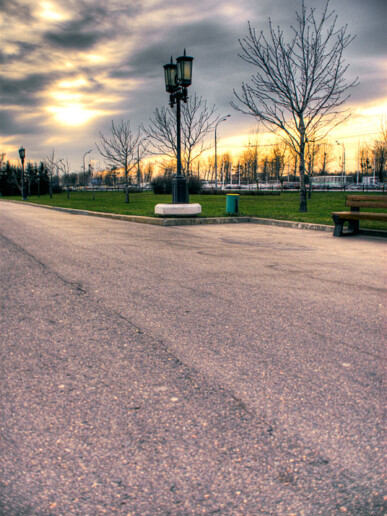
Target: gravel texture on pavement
x=201 y=370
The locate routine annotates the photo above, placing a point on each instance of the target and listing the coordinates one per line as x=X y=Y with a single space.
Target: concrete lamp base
x=178 y=210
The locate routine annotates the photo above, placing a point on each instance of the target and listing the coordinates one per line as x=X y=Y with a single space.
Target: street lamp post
x=343 y=164
x=141 y=144
x=22 y=155
x=84 y=166
x=92 y=179
x=216 y=155
x=375 y=151
x=178 y=77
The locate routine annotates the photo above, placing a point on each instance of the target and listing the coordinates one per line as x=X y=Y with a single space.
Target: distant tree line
x=36 y=179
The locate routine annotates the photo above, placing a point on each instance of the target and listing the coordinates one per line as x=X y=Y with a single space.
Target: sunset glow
x=72 y=114
x=49 y=11
x=75 y=65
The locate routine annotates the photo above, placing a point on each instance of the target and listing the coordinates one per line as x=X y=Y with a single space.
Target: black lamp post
x=177 y=79
x=84 y=166
x=343 y=164
x=216 y=155
x=22 y=155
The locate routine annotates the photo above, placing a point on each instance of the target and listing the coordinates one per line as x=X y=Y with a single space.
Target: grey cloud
x=24 y=50
x=208 y=34
x=22 y=91
x=72 y=39
x=366 y=20
x=101 y=13
x=91 y=23
x=15 y=9
x=213 y=42
x=122 y=74
x=147 y=62
x=207 y=41
x=81 y=32
x=372 y=84
x=367 y=90
x=10 y=125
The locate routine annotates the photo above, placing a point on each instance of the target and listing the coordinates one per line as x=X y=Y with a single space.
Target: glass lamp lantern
x=184 y=70
x=170 y=72
x=22 y=153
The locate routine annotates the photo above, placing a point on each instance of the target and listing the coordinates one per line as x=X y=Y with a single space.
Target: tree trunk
x=303 y=193
x=126 y=184
x=310 y=190
x=303 y=199
x=381 y=166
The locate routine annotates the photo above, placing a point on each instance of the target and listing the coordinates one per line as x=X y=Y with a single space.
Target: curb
x=129 y=218
x=194 y=221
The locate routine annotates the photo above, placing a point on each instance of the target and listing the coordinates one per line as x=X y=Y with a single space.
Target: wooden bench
x=353 y=217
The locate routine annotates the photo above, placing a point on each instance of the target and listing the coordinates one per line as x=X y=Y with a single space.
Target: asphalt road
x=226 y=369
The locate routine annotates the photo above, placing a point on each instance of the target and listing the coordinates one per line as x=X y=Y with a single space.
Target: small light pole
x=375 y=151
x=343 y=164
x=91 y=170
x=216 y=155
x=22 y=155
x=84 y=166
x=141 y=144
x=178 y=77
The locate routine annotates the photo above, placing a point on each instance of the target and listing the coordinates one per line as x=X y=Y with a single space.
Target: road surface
x=225 y=369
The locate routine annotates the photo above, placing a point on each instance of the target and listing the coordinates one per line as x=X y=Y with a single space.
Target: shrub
x=56 y=188
x=161 y=185
x=194 y=185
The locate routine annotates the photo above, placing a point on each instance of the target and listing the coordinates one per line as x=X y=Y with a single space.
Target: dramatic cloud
x=71 y=38
x=69 y=68
x=24 y=91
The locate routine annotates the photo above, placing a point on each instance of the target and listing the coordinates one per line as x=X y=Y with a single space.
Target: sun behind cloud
x=51 y=12
x=73 y=114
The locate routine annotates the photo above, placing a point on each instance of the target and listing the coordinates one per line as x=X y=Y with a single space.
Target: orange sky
x=68 y=69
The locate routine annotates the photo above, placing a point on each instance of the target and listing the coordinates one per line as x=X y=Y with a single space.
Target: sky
x=68 y=68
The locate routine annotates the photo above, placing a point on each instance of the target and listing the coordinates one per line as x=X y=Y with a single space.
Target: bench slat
x=368 y=204
x=382 y=198
x=356 y=215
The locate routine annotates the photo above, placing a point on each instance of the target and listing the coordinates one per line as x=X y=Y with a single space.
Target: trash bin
x=232 y=203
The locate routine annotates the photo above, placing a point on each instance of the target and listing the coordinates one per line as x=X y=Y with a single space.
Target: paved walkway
x=231 y=369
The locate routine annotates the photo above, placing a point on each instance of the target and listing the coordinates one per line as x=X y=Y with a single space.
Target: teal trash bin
x=232 y=203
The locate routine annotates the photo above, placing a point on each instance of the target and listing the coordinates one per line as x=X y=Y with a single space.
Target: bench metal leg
x=353 y=226
x=338 y=226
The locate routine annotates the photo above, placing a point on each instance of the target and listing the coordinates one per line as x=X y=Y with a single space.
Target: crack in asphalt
x=78 y=286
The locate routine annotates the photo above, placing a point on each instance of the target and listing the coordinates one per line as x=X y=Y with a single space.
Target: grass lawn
x=283 y=207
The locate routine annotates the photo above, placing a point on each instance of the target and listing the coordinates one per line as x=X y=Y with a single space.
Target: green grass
x=283 y=207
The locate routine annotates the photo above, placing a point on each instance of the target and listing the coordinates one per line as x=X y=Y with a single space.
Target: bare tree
x=197 y=121
x=16 y=174
x=64 y=167
x=226 y=164
x=324 y=156
x=380 y=150
x=250 y=156
x=122 y=149
x=52 y=165
x=365 y=159
x=299 y=86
